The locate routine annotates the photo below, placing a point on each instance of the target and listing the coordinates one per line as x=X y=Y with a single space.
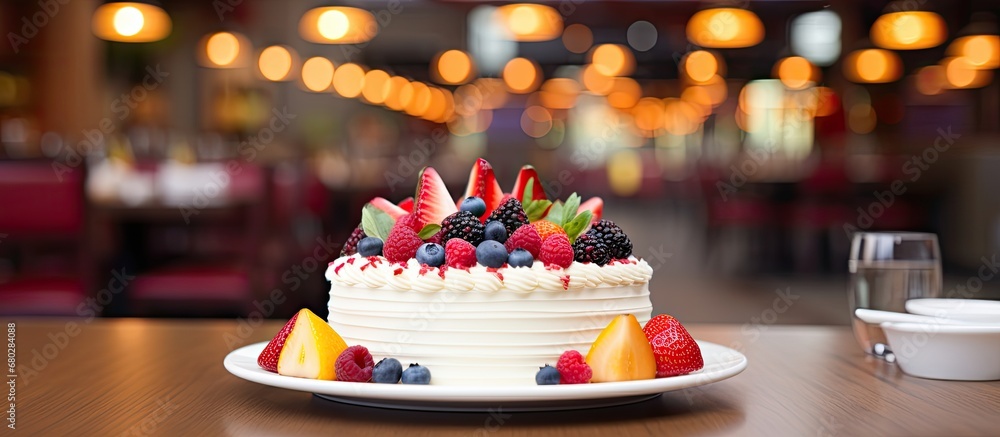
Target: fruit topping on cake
x=387 y=371
x=495 y=231
x=402 y=244
x=573 y=368
x=306 y=347
x=430 y=254
x=432 y=201
x=675 y=350
x=351 y=245
x=370 y=246
x=416 y=374
x=355 y=364
x=407 y=204
x=388 y=207
x=491 y=254
x=483 y=184
x=590 y=249
x=556 y=250
x=546 y=228
x=547 y=375
x=528 y=183
x=511 y=214
x=459 y=253
x=595 y=205
x=527 y=238
x=612 y=235
x=622 y=352
x=520 y=258
x=464 y=225
x=473 y=204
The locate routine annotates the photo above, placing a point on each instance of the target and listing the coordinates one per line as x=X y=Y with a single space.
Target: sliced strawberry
x=675 y=350
x=526 y=174
x=407 y=204
x=388 y=207
x=596 y=207
x=432 y=202
x=483 y=184
x=268 y=358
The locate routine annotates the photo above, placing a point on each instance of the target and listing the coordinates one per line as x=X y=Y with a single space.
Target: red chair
x=41 y=224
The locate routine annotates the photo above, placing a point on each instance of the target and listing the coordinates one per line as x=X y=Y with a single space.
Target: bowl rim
x=936 y=328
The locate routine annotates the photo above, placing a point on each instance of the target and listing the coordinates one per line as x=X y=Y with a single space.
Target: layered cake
x=487 y=289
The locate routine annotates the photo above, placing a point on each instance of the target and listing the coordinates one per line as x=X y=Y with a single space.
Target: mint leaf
x=375 y=222
x=536 y=209
x=529 y=188
x=429 y=230
x=555 y=213
x=576 y=226
x=569 y=208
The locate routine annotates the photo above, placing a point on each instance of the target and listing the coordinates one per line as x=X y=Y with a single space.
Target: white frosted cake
x=487 y=289
x=465 y=324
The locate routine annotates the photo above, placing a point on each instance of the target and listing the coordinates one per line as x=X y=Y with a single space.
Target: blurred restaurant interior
x=192 y=158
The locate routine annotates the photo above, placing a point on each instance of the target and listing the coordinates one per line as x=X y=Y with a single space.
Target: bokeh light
x=559 y=93
x=530 y=22
x=453 y=67
x=700 y=66
x=596 y=82
x=861 y=118
x=577 y=38
x=377 y=87
x=980 y=51
x=725 y=28
x=625 y=172
x=625 y=93
x=222 y=49
x=317 y=74
x=275 y=63
x=521 y=75
x=338 y=25
x=536 y=121
x=642 y=36
x=613 y=60
x=130 y=22
x=648 y=115
x=909 y=30
x=796 y=72
x=349 y=80
x=961 y=74
x=872 y=66
x=930 y=80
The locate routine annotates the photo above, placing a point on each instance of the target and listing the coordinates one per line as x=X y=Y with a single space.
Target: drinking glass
x=887 y=269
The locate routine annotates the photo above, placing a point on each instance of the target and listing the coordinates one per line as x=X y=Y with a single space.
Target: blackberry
x=511 y=214
x=619 y=245
x=351 y=245
x=589 y=248
x=462 y=225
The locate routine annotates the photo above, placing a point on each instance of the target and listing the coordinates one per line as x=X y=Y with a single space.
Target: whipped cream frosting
x=377 y=272
x=481 y=326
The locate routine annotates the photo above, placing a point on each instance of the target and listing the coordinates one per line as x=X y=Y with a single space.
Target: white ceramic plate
x=970 y=310
x=951 y=352
x=720 y=363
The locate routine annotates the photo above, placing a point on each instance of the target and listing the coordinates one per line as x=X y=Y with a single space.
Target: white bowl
x=970 y=310
x=940 y=351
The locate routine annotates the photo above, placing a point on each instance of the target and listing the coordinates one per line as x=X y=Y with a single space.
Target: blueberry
x=474 y=205
x=495 y=231
x=547 y=375
x=520 y=258
x=370 y=246
x=431 y=254
x=416 y=374
x=490 y=254
x=387 y=371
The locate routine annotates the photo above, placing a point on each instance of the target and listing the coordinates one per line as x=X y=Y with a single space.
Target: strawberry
x=388 y=207
x=555 y=250
x=527 y=238
x=675 y=350
x=459 y=253
x=406 y=204
x=268 y=358
x=526 y=174
x=432 y=202
x=596 y=207
x=483 y=184
x=546 y=228
x=402 y=243
x=411 y=221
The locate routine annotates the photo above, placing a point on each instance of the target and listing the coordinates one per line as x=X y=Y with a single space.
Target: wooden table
x=160 y=377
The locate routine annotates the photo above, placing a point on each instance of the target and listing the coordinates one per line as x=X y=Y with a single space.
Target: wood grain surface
x=165 y=377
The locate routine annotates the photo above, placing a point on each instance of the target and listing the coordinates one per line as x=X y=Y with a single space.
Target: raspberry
x=588 y=248
x=527 y=238
x=464 y=225
x=402 y=243
x=556 y=250
x=354 y=364
x=573 y=368
x=436 y=239
x=411 y=221
x=459 y=253
x=546 y=228
x=351 y=245
x=511 y=214
x=619 y=245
